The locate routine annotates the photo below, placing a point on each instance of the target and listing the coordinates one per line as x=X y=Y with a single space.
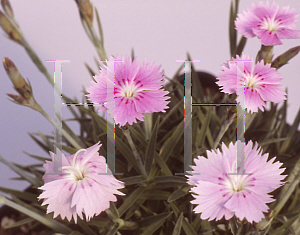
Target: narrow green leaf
x=178 y=224
x=138 y=135
x=291 y=133
x=86 y=228
x=43 y=159
x=114 y=210
x=187 y=227
x=169 y=179
x=169 y=145
x=154 y=226
x=154 y=194
x=96 y=130
x=130 y=200
x=132 y=54
x=162 y=164
x=178 y=193
x=99 y=27
x=205 y=120
x=91 y=71
x=241 y=46
x=151 y=147
x=285 y=227
x=43 y=146
x=46 y=140
x=20 y=172
x=20 y=194
x=170 y=113
x=68 y=149
x=72 y=134
x=148 y=122
x=133 y=180
x=151 y=220
x=19 y=223
x=51 y=223
x=120 y=145
x=270 y=141
x=232 y=31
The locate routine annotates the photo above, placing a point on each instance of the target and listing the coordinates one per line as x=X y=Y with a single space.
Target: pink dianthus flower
x=245 y=196
x=268 y=23
x=261 y=83
x=137 y=90
x=83 y=189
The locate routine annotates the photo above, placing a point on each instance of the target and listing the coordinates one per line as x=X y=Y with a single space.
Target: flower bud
x=20 y=85
x=86 y=9
x=10 y=29
x=285 y=57
x=7 y=8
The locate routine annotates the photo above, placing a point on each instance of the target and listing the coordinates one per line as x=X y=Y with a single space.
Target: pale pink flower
x=268 y=23
x=83 y=189
x=220 y=194
x=137 y=90
x=261 y=83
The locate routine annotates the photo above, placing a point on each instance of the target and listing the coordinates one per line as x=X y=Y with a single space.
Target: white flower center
x=76 y=171
x=235 y=183
x=129 y=90
x=270 y=24
x=251 y=81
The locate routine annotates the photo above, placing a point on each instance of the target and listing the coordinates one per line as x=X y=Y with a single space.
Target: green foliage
x=160 y=204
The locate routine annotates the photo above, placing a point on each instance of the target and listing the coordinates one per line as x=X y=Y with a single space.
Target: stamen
x=80 y=150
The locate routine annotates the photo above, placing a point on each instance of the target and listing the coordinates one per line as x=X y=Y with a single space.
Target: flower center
x=75 y=171
x=251 y=81
x=235 y=182
x=270 y=24
x=129 y=90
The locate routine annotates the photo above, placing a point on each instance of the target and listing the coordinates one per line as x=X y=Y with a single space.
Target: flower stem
x=135 y=153
x=224 y=128
x=64 y=133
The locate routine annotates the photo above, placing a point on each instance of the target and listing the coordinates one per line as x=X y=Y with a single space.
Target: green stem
x=224 y=128
x=135 y=153
x=64 y=133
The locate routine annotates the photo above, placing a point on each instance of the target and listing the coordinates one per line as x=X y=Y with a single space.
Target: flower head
x=261 y=83
x=80 y=187
x=268 y=23
x=245 y=195
x=137 y=90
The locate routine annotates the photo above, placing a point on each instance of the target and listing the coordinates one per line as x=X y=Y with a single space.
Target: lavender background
x=162 y=31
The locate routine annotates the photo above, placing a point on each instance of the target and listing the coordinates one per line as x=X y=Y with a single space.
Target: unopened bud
x=10 y=29
x=285 y=57
x=19 y=99
x=20 y=85
x=86 y=9
x=7 y=8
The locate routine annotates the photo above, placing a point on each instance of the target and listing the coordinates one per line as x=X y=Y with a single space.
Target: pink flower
x=220 y=194
x=268 y=23
x=137 y=90
x=261 y=83
x=83 y=189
